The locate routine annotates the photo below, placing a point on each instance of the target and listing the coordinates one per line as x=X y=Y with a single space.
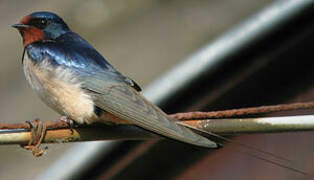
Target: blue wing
x=71 y=51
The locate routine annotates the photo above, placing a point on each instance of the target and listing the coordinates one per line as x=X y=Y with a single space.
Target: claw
x=69 y=121
x=38 y=132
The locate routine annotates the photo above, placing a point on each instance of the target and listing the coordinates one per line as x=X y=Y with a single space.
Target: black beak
x=20 y=26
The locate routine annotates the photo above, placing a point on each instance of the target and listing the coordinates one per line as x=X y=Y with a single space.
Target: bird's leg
x=69 y=121
x=38 y=131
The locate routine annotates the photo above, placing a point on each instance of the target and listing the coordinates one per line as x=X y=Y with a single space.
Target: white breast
x=59 y=89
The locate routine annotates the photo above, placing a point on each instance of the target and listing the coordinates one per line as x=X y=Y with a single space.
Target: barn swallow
x=75 y=80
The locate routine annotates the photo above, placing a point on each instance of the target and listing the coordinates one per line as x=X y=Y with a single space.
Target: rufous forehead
x=26 y=19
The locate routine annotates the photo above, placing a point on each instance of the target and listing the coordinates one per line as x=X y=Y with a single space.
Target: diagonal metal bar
x=243 y=38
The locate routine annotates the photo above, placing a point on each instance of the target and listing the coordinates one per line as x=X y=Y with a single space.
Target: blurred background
x=141 y=38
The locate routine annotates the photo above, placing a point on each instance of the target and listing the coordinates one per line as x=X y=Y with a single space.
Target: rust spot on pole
x=234 y=113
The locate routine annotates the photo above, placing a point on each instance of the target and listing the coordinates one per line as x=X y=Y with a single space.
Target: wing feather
x=125 y=102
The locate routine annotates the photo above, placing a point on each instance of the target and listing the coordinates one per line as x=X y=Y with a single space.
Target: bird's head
x=40 y=26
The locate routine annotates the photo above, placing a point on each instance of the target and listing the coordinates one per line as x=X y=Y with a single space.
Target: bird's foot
x=38 y=132
x=69 y=121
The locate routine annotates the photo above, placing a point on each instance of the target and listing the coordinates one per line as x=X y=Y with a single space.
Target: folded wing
x=122 y=100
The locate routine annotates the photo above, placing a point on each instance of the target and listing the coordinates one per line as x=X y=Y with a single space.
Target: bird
x=75 y=80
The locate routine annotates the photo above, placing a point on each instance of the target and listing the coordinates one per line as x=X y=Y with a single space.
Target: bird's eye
x=39 y=23
x=43 y=21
